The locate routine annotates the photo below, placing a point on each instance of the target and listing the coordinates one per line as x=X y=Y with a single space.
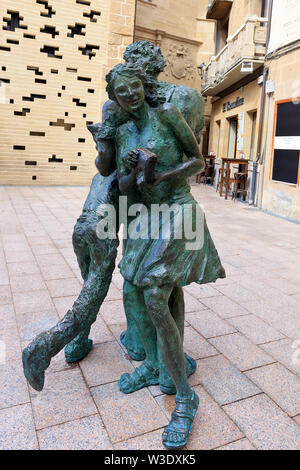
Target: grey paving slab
x=225 y=307
x=280 y=384
x=124 y=415
x=30 y=302
x=65 y=397
x=149 y=441
x=255 y=329
x=286 y=352
x=265 y=424
x=81 y=434
x=209 y=324
x=33 y=323
x=195 y=345
x=13 y=385
x=241 y=444
x=17 y=428
x=105 y=363
x=222 y=380
x=240 y=351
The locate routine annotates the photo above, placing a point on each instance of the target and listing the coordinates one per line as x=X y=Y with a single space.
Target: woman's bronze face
x=129 y=92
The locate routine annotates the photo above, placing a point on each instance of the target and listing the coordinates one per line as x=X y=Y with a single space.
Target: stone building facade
x=186 y=37
x=54 y=56
x=279 y=190
x=232 y=79
x=242 y=109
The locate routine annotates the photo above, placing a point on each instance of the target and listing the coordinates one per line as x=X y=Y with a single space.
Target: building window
x=253 y=134
x=264 y=9
x=287 y=143
x=222 y=34
x=218 y=129
x=232 y=141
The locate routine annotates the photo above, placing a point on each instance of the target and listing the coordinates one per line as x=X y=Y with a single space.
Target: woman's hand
x=132 y=159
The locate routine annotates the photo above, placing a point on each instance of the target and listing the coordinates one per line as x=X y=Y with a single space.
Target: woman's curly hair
x=152 y=95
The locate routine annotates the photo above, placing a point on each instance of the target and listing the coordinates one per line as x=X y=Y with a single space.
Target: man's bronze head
x=147 y=56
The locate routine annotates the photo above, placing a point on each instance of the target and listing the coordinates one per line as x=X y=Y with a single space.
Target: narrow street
x=244 y=332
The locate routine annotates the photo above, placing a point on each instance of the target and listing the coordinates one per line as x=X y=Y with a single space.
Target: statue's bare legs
x=161 y=336
x=156 y=371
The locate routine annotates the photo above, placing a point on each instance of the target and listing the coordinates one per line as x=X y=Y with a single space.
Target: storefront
x=279 y=191
x=234 y=125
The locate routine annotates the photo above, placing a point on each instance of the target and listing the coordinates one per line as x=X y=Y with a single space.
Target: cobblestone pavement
x=244 y=332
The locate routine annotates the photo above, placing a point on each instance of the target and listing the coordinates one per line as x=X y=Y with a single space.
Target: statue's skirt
x=174 y=248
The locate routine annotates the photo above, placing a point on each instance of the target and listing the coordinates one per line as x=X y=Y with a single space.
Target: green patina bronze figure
x=149 y=135
x=158 y=258
x=191 y=105
x=96 y=259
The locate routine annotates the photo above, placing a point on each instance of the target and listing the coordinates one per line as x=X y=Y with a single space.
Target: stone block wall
x=54 y=55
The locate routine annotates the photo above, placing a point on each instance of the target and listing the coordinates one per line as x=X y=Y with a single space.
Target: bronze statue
x=154 y=264
x=147 y=149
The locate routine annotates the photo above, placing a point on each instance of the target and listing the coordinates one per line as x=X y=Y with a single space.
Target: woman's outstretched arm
x=185 y=135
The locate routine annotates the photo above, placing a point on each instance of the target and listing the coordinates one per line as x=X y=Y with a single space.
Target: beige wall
x=285 y=23
x=178 y=17
x=24 y=157
x=240 y=10
x=180 y=28
x=281 y=198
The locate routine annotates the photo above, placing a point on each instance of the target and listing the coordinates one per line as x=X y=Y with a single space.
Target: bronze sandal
x=177 y=433
x=143 y=376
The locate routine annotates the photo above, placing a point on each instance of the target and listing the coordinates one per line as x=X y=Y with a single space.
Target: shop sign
x=235 y=104
x=287 y=143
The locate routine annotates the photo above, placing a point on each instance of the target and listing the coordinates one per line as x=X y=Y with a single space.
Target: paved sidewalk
x=243 y=331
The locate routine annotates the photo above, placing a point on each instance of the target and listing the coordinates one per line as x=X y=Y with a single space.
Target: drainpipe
x=262 y=112
x=263 y=159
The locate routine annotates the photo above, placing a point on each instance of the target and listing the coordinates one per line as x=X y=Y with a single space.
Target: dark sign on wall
x=235 y=104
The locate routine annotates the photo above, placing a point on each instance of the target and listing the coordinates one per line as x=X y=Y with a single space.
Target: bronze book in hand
x=146 y=166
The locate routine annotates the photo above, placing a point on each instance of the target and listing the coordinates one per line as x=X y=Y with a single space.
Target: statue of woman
x=153 y=266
